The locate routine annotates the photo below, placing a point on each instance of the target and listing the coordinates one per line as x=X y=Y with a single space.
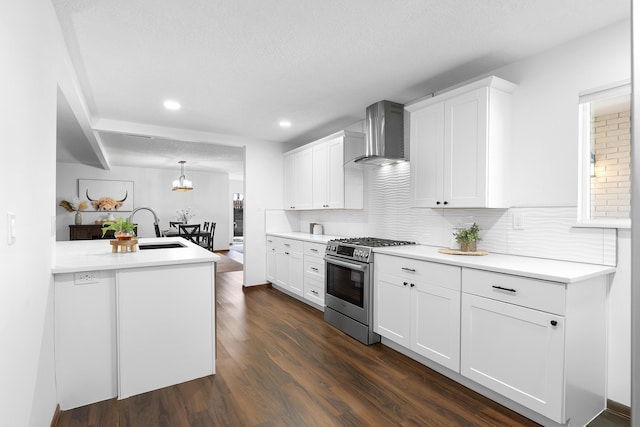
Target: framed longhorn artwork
x=106 y=195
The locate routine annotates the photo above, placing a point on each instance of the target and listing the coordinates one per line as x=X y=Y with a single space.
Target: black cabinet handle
x=504 y=289
x=437 y=203
x=313 y=250
x=413 y=270
x=412 y=285
x=314 y=269
x=446 y=203
x=286 y=253
x=554 y=322
x=405 y=283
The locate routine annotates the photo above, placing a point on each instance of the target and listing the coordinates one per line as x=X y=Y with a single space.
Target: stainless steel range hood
x=384 y=123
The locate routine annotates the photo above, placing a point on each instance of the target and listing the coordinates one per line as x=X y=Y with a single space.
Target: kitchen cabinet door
x=298 y=179
x=289 y=176
x=289 y=265
x=427 y=152
x=392 y=315
x=328 y=174
x=320 y=176
x=515 y=351
x=465 y=149
x=271 y=260
x=296 y=273
x=335 y=174
x=304 y=179
x=435 y=328
x=282 y=268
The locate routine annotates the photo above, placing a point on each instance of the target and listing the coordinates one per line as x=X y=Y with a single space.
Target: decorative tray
x=448 y=251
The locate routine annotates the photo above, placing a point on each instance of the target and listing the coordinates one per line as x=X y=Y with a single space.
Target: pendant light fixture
x=182 y=183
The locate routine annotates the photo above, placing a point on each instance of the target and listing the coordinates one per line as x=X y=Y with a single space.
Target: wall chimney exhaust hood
x=384 y=144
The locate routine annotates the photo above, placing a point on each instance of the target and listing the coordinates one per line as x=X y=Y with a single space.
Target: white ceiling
x=239 y=66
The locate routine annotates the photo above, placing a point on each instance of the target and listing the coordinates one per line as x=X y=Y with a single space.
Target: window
x=605 y=159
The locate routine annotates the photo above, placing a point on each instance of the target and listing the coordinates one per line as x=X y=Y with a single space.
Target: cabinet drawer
x=432 y=273
x=526 y=292
x=314 y=268
x=314 y=290
x=289 y=245
x=314 y=249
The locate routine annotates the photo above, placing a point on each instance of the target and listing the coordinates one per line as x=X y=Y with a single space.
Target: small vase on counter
x=78 y=218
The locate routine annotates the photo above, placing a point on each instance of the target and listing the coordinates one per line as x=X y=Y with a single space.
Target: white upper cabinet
x=321 y=181
x=298 y=179
x=459 y=145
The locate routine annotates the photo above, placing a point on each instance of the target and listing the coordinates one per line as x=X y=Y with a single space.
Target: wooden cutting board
x=458 y=252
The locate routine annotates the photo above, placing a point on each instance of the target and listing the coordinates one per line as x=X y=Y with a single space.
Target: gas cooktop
x=360 y=248
x=372 y=242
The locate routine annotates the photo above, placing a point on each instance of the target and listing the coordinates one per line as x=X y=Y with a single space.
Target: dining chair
x=208 y=232
x=174 y=224
x=190 y=232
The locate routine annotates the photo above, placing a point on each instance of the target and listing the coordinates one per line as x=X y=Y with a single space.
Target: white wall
x=545 y=129
x=152 y=188
x=35 y=62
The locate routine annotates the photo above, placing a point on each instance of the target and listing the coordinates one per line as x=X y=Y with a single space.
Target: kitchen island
x=128 y=323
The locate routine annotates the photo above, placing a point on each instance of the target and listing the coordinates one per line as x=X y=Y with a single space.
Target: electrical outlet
x=86 y=277
x=11 y=228
x=518 y=222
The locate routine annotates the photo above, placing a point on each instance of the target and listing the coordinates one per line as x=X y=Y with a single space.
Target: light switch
x=11 y=228
x=518 y=222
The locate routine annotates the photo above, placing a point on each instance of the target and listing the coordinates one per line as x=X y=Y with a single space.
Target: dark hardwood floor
x=280 y=364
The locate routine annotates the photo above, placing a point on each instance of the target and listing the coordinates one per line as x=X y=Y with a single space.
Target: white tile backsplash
x=548 y=232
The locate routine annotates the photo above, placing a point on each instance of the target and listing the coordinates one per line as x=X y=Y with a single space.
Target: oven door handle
x=358 y=267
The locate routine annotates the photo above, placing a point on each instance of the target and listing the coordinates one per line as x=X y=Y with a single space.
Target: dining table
x=173 y=232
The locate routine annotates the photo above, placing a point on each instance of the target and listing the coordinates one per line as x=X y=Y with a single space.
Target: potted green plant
x=467 y=237
x=123 y=228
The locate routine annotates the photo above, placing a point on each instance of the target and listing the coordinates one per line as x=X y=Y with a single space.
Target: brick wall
x=611 y=186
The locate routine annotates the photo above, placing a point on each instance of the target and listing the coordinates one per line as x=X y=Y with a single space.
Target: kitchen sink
x=168 y=245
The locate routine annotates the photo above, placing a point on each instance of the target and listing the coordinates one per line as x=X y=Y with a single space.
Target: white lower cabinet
x=417 y=305
x=314 y=272
x=538 y=345
x=515 y=351
x=285 y=264
x=297 y=267
x=271 y=260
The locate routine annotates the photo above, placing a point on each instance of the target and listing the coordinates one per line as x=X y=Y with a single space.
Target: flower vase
x=468 y=246
x=78 y=219
x=123 y=235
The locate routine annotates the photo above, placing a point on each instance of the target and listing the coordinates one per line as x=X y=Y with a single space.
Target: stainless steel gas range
x=349 y=285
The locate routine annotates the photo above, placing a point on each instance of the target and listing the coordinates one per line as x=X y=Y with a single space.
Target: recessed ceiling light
x=285 y=123
x=171 y=105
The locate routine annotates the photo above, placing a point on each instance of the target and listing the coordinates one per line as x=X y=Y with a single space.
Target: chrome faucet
x=156 y=223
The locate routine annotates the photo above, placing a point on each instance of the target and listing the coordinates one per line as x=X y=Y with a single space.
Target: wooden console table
x=90 y=231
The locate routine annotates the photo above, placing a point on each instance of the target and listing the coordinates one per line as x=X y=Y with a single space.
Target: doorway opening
x=236 y=249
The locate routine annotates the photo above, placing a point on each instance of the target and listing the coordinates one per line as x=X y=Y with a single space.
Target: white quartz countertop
x=91 y=255
x=544 y=269
x=314 y=238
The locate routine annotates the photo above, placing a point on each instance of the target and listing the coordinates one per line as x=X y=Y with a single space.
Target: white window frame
x=584 y=159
